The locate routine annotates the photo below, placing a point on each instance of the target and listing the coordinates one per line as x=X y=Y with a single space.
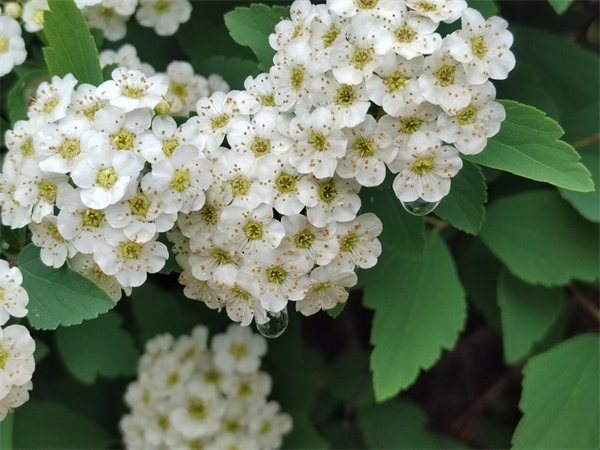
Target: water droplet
x=119 y=217
x=277 y=324
x=419 y=207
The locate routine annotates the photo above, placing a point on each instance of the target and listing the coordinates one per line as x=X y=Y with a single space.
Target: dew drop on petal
x=419 y=207
x=119 y=217
x=277 y=324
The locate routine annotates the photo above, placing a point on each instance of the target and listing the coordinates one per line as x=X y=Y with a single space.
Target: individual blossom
x=313 y=243
x=470 y=128
x=185 y=87
x=438 y=10
x=164 y=16
x=108 y=19
x=14 y=214
x=201 y=290
x=482 y=46
x=16 y=397
x=129 y=260
x=86 y=265
x=125 y=56
x=245 y=388
x=269 y=425
x=85 y=103
x=54 y=247
x=52 y=100
x=130 y=89
x=12 y=45
x=359 y=246
x=410 y=119
x=33 y=15
x=278 y=186
x=16 y=357
x=329 y=200
x=327 y=290
x=424 y=168
x=199 y=415
x=349 y=104
x=162 y=140
x=302 y=13
x=350 y=8
x=13 y=298
x=20 y=141
x=263 y=90
x=212 y=250
x=238 y=175
x=326 y=31
x=239 y=349
x=369 y=149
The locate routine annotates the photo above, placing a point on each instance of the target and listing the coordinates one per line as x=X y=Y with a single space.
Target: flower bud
x=13 y=9
x=163 y=108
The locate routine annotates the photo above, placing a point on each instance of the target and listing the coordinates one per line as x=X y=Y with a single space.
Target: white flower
x=250 y=388
x=349 y=8
x=237 y=172
x=438 y=10
x=162 y=140
x=122 y=7
x=12 y=45
x=33 y=15
x=54 y=248
x=200 y=412
x=238 y=350
x=86 y=265
x=263 y=90
x=163 y=15
x=326 y=30
x=130 y=89
x=211 y=251
x=369 y=147
x=327 y=289
x=16 y=357
x=200 y=290
x=16 y=397
x=20 y=141
x=185 y=87
x=408 y=119
x=278 y=186
x=319 y=143
x=330 y=199
x=181 y=180
x=125 y=56
x=358 y=241
x=425 y=168
x=13 y=298
x=482 y=46
x=108 y=20
x=297 y=26
x=52 y=100
x=129 y=260
x=206 y=219
x=13 y=214
x=315 y=244
x=85 y=103
x=471 y=127
x=268 y=425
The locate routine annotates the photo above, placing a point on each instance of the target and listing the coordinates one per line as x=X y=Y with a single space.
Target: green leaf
x=22 y=90
x=15 y=238
x=233 y=70
x=528 y=145
x=528 y=313
x=97 y=347
x=561 y=397
x=350 y=379
x=304 y=434
x=72 y=46
x=402 y=232
x=560 y=6
x=107 y=71
x=463 y=206
x=399 y=425
x=59 y=296
x=49 y=425
x=420 y=309
x=6 y=432
x=480 y=275
x=252 y=26
x=41 y=350
x=541 y=239
x=487 y=8
x=336 y=310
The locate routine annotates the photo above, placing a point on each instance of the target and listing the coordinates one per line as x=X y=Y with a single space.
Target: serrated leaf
x=528 y=312
x=304 y=434
x=560 y=6
x=49 y=425
x=97 y=347
x=463 y=206
x=561 y=397
x=541 y=239
x=59 y=296
x=233 y=70
x=72 y=46
x=527 y=145
x=22 y=90
x=402 y=233
x=252 y=26
x=399 y=425
x=419 y=308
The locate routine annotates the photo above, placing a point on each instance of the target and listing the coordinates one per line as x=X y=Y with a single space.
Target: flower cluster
x=16 y=344
x=189 y=397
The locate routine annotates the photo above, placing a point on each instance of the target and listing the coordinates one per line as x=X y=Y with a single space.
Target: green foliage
x=350 y=379
x=6 y=432
x=528 y=313
x=398 y=425
x=561 y=397
x=304 y=434
x=97 y=347
x=487 y=8
x=560 y=6
x=14 y=238
x=402 y=232
x=416 y=316
x=587 y=203
x=72 y=46
x=59 y=296
x=541 y=239
x=49 y=425
x=527 y=145
x=252 y=26
x=463 y=206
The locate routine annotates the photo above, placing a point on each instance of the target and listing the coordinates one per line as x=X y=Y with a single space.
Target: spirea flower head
x=212 y=396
